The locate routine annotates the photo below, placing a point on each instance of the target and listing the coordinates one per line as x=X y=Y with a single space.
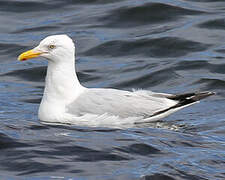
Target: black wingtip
x=195 y=96
x=188 y=98
x=185 y=99
x=201 y=95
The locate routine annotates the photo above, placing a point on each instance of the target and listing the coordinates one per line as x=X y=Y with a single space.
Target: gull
x=66 y=101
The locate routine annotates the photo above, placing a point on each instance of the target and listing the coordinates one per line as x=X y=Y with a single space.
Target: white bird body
x=65 y=100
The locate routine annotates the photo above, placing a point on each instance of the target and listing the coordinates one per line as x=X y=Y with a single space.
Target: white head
x=55 y=48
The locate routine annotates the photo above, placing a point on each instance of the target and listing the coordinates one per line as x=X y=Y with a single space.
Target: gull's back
x=120 y=103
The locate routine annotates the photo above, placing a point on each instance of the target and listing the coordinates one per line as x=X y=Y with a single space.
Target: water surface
x=172 y=46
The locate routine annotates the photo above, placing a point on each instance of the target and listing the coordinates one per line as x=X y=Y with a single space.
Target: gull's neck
x=62 y=84
x=61 y=88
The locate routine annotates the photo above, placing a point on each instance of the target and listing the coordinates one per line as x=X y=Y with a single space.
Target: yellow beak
x=28 y=55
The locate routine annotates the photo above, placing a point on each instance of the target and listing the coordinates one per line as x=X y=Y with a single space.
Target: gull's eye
x=51 y=46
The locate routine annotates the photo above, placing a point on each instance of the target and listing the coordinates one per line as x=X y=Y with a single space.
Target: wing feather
x=121 y=103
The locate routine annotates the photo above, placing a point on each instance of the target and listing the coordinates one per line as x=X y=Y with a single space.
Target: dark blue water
x=172 y=46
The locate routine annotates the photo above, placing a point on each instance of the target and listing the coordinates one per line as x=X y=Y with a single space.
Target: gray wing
x=120 y=103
